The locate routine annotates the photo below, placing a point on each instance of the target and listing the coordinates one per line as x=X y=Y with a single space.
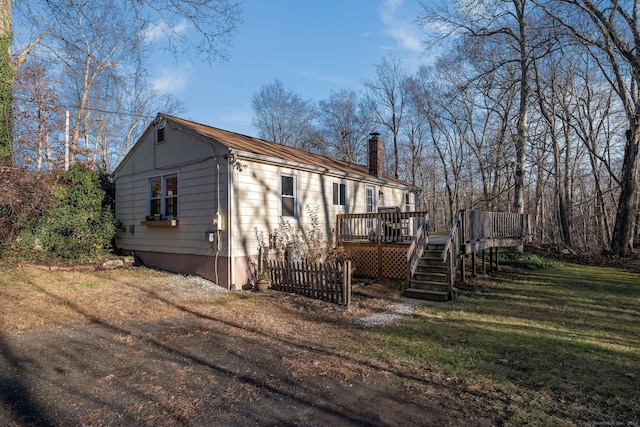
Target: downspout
x=230 y=198
x=217 y=218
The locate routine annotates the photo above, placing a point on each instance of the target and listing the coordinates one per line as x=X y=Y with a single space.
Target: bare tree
x=214 y=21
x=554 y=98
x=282 y=116
x=610 y=33
x=414 y=130
x=433 y=99
x=342 y=127
x=37 y=116
x=596 y=123
x=485 y=107
x=92 y=39
x=387 y=100
x=500 y=27
x=123 y=110
x=209 y=26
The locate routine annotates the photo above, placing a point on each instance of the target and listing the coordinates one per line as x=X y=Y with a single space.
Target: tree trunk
x=6 y=85
x=521 y=128
x=621 y=240
x=564 y=184
x=602 y=221
x=540 y=205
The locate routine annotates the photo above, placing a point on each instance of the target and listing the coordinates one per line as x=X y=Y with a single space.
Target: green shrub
x=527 y=261
x=76 y=224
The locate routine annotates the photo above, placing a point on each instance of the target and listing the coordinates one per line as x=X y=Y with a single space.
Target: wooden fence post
x=473 y=264
x=346 y=284
x=463 y=272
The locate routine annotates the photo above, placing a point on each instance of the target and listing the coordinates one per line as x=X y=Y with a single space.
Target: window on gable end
x=160 y=134
x=163 y=196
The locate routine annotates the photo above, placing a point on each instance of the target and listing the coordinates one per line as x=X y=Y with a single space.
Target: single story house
x=189 y=196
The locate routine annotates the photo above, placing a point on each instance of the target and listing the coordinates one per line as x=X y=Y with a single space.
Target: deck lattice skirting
x=380 y=246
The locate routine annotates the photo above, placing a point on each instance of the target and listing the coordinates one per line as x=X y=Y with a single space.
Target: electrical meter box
x=216 y=223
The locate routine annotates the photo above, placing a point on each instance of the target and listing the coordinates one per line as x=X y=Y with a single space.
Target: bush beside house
x=73 y=218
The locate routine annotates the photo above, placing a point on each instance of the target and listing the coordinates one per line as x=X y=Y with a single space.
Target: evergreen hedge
x=77 y=223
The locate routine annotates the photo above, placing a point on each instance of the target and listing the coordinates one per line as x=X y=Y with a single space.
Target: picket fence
x=327 y=281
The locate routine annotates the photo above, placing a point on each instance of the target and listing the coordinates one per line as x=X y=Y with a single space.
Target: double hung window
x=163 y=196
x=369 y=206
x=288 y=195
x=339 y=194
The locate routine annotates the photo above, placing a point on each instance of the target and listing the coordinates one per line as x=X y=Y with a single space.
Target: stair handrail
x=451 y=252
x=417 y=247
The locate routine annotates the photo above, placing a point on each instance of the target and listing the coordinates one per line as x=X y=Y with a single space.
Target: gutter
x=259 y=158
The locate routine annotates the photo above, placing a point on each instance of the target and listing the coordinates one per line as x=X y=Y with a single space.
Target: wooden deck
x=397 y=246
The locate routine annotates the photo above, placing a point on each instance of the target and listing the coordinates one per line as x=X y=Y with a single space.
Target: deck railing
x=383 y=227
x=480 y=225
x=471 y=231
x=451 y=252
x=417 y=247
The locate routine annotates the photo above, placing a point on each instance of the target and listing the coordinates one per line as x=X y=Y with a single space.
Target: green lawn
x=551 y=347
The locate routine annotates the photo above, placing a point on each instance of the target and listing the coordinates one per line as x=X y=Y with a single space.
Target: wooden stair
x=431 y=278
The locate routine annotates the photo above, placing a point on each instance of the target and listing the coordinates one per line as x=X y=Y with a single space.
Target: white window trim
x=295 y=195
x=344 y=206
x=373 y=195
x=163 y=198
x=370 y=225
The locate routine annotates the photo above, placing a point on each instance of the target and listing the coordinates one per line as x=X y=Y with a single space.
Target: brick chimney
x=375 y=154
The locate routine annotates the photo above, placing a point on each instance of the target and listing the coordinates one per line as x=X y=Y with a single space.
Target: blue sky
x=313 y=47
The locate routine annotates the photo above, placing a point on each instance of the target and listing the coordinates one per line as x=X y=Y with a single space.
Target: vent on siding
x=160 y=134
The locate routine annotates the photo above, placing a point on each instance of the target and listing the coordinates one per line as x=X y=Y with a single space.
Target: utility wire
x=74 y=107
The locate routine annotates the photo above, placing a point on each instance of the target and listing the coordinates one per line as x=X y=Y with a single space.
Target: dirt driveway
x=139 y=347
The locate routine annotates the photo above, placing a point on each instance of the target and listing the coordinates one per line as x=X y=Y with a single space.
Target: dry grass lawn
x=140 y=347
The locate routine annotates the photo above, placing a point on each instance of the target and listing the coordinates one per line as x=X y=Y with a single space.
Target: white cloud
x=172 y=81
x=154 y=32
x=322 y=77
x=161 y=31
x=400 y=28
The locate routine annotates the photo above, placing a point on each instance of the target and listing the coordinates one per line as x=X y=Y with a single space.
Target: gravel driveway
x=194 y=354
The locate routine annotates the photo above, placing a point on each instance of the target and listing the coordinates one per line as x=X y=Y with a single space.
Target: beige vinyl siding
x=180 y=148
x=196 y=209
x=256 y=196
x=191 y=160
x=255 y=204
x=257 y=201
